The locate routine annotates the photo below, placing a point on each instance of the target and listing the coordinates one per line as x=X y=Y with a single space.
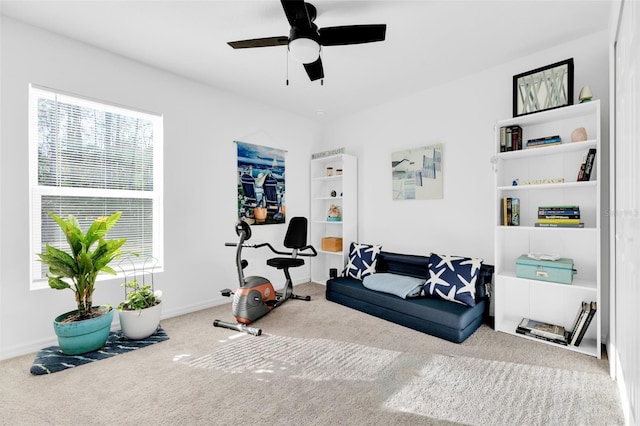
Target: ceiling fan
x=305 y=38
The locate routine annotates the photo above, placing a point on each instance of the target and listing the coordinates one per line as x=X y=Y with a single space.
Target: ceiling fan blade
x=260 y=42
x=352 y=34
x=297 y=14
x=315 y=70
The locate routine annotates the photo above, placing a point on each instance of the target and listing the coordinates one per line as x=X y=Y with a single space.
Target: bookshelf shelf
x=516 y=298
x=549 y=186
x=328 y=198
x=549 y=150
x=322 y=186
x=542 y=229
x=331 y=253
x=576 y=284
x=587 y=347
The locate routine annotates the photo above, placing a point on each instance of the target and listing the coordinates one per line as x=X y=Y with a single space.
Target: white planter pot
x=140 y=324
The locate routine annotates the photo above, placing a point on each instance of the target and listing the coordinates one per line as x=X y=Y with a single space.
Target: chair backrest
x=270 y=192
x=296 y=236
x=249 y=187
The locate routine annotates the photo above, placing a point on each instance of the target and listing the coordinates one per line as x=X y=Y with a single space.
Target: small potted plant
x=86 y=328
x=140 y=312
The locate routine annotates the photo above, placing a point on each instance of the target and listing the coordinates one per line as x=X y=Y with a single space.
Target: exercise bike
x=256 y=296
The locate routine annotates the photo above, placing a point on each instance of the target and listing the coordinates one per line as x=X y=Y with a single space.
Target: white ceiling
x=427 y=42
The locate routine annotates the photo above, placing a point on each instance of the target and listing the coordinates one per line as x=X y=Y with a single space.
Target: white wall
x=200 y=125
x=460 y=115
x=625 y=240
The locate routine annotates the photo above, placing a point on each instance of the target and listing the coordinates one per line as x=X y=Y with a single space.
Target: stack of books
x=510 y=208
x=559 y=217
x=542 y=330
x=541 y=142
x=510 y=138
x=557 y=333
x=588 y=160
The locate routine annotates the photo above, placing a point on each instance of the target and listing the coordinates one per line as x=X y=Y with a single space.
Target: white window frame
x=38 y=191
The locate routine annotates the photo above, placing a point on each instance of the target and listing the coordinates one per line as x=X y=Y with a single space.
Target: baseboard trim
x=36 y=345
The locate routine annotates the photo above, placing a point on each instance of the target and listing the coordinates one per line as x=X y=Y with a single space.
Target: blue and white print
x=362 y=260
x=453 y=278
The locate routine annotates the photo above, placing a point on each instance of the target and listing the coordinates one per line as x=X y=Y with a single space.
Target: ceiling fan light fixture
x=304 y=50
x=306 y=41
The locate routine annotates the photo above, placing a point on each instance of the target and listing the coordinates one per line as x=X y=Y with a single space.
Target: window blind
x=90 y=159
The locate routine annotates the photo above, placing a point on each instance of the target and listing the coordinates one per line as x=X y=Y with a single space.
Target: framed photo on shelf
x=543 y=88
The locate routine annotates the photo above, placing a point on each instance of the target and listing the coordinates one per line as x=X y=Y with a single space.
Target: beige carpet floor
x=317 y=363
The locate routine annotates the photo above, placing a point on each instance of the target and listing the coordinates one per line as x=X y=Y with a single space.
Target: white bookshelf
x=516 y=298
x=345 y=188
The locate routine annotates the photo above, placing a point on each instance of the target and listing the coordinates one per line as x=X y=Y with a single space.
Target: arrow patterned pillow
x=362 y=260
x=453 y=278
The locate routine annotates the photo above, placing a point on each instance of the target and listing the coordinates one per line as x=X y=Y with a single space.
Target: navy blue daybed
x=442 y=318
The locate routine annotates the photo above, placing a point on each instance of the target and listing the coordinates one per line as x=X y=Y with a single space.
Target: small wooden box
x=332 y=244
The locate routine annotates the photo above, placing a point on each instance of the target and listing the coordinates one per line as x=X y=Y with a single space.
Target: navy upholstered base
x=447 y=320
x=441 y=318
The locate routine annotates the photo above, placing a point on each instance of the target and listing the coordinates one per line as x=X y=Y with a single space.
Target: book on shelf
x=586 y=168
x=559 y=214
x=516 y=137
x=560 y=211
x=543 y=145
x=557 y=208
x=546 y=331
x=546 y=339
x=510 y=138
x=586 y=312
x=558 y=221
x=515 y=211
x=505 y=208
x=576 y=321
x=583 y=165
x=546 y=141
x=560 y=225
x=510 y=208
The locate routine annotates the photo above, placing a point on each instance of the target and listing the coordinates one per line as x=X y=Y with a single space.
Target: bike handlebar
x=251 y=245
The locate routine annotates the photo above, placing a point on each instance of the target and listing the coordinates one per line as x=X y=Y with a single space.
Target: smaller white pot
x=140 y=324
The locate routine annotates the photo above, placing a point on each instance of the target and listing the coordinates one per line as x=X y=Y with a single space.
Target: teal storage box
x=557 y=271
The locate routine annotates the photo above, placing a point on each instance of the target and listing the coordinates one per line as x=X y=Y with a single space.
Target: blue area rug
x=51 y=360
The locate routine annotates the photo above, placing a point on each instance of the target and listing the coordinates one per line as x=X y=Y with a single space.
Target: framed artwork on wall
x=261 y=187
x=416 y=174
x=544 y=88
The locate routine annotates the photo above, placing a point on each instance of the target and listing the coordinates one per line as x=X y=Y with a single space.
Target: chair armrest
x=309 y=247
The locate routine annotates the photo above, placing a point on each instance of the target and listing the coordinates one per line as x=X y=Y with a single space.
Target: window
x=92 y=159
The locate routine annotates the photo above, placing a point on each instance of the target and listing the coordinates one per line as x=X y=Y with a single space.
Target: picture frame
x=260 y=184
x=543 y=88
x=417 y=174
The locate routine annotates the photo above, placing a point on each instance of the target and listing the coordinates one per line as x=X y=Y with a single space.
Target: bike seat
x=285 y=262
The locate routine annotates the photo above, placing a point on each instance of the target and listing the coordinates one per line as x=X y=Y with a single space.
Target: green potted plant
x=86 y=328
x=139 y=313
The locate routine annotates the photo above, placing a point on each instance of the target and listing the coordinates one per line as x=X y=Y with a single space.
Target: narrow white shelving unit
x=341 y=189
x=516 y=298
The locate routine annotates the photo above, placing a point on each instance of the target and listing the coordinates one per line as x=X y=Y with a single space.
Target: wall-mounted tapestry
x=417 y=173
x=261 y=186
